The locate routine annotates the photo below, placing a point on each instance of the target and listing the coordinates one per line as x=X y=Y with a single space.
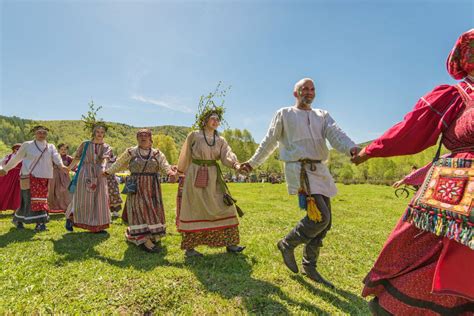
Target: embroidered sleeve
x=120 y=164
x=269 y=142
x=420 y=128
x=163 y=162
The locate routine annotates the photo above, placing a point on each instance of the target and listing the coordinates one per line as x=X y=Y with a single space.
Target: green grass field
x=56 y=271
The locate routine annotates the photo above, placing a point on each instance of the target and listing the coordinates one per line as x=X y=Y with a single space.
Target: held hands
x=65 y=169
x=359 y=157
x=172 y=174
x=245 y=168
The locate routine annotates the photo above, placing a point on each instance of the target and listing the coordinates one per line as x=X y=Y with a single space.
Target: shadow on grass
x=351 y=303
x=16 y=235
x=6 y=214
x=230 y=276
x=139 y=259
x=78 y=246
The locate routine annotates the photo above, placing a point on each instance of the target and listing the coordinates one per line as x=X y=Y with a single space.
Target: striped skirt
x=144 y=210
x=89 y=208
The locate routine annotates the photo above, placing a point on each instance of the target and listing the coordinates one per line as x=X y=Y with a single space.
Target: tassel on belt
x=304 y=193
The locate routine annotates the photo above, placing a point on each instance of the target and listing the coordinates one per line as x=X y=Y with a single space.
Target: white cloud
x=161 y=103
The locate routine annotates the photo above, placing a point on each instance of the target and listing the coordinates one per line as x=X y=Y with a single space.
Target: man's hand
x=65 y=169
x=172 y=178
x=2 y=173
x=245 y=167
x=354 y=151
x=360 y=157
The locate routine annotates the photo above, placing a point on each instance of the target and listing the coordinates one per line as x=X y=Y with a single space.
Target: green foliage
x=208 y=105
x=378 y=170
x=120 y=136
x=4 y=149
x=91 y=120
x=167 y=146
x=56 y=272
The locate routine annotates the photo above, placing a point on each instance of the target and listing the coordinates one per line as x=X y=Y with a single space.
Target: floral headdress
x=91 y=123
x=207 y=107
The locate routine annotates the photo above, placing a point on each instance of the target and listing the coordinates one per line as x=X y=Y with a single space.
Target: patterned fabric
x=39 y=194
x=444 y=204
x=461 y=59
x=90 y=203
x=115 y=199
x=144 y=210
x=419 y=273
x=211 y=238
x=24 y=214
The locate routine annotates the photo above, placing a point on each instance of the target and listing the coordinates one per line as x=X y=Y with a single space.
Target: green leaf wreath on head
x=91 y=122
x=207 y=106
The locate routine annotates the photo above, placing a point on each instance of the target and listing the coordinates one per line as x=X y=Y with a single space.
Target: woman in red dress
x=418 y=272
x=10 y=194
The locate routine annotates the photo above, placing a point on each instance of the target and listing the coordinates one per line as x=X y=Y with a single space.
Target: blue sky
x=147 y=62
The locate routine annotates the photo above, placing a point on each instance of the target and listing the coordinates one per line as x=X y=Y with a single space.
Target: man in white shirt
x=38 y=157
x=301 y=133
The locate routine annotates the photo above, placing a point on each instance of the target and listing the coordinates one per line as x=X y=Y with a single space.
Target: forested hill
x=120 y=136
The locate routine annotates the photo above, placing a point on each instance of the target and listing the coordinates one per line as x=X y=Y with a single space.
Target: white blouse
x=29 y=154
x=302 y=134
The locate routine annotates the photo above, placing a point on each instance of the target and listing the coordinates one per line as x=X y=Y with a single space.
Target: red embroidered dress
x=417 y=272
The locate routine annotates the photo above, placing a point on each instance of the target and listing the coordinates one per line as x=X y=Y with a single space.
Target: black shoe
x=19 y=225
x=69 y=225
x=189 y=253
x=154 y=249
x=235 y=249
x=314 y=275
x=288 y=256
x=40 y=227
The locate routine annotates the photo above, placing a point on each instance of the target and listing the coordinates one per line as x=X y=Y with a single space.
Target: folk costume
x=425 y=266
x=10 y=192
x=37 y=159
x=301 y=137
x=58 y=195
x=144 y=211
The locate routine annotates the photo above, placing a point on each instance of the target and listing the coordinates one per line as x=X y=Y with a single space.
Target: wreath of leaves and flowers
x=91 y=121
x=208 y=105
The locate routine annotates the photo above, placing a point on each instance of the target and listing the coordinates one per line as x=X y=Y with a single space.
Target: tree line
x=169 y=140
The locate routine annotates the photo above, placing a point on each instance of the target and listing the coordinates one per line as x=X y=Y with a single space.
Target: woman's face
x=144 y=140
x=213 y=122
x=63 y=150
x=99 y=133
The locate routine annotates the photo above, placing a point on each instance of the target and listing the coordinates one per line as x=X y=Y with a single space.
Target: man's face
x=306 y=93
x=40 y=135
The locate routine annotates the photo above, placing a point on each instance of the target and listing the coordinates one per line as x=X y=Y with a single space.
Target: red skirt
x=10 y=192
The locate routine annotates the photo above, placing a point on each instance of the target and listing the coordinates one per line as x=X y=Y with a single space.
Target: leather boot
x=287 y=247
x=310 y=259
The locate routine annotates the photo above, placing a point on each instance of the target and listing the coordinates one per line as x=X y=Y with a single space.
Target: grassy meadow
x=60 y=272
